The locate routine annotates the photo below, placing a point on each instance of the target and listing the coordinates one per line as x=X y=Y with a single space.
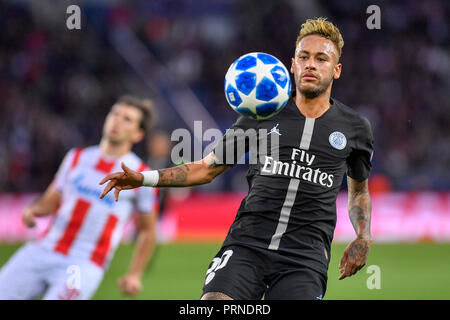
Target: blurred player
x=279 y=244
x=70 y=261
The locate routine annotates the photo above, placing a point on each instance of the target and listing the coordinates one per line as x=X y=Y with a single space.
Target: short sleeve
x=236 y=141
x=359 y=162
x=61 y=175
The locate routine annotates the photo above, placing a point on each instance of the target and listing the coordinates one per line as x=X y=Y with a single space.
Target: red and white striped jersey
x=86 y=226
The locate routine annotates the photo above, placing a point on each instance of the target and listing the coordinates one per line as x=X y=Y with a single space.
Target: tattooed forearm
x=360 y=216
x=191 y=174
x=173 y=177
x=360 y=207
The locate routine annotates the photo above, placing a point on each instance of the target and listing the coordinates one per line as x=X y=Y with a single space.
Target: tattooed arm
x=360 y=208
x=189 y=174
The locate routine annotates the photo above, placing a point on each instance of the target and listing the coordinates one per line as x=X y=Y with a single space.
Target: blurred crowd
x=57 y=85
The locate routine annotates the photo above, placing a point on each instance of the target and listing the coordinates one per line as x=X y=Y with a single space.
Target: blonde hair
x=324 y=28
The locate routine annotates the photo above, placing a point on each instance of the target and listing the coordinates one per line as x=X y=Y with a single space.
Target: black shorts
x=248 y=273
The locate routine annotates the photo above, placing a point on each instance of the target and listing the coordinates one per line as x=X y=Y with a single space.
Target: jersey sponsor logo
x=337 y=140
x=299 y=168
x=86 y=190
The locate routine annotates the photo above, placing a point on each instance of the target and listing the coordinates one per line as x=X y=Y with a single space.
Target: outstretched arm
x=360 y=208
x=131 y=283
x=189 y=174
x=45 y=205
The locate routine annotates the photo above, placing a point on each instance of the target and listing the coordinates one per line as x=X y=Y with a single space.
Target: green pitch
x=407 y=271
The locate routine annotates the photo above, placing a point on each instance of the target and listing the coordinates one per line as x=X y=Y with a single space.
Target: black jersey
x=291 y=203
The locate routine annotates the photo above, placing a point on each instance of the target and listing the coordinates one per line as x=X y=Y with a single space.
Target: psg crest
x=338 y=140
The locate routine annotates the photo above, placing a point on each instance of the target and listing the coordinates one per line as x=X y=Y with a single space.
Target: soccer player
x=70 y=260
x=279 y=243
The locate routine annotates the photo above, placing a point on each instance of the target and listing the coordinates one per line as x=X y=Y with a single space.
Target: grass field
x=408 y=271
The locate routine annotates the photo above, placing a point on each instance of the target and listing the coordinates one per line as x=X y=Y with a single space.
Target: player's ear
x=292 y=65
x=138 y=136
x=337 y=71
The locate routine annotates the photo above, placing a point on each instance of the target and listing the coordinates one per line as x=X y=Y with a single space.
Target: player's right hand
x=130 y=285
x=28 y=217
x=128 y=179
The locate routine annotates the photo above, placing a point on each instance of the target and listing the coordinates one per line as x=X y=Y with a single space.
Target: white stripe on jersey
x=292 y=189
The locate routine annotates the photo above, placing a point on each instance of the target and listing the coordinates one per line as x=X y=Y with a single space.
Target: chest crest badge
x=337 y=140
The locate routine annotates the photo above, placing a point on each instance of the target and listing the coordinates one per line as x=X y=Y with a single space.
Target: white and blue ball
x=257 y=85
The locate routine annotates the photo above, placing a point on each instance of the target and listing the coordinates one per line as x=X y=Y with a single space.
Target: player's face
x=315 y=65
x=122 y=124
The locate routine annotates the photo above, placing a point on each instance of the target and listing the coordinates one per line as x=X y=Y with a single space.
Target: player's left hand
x=355 y=257
x=130 y=285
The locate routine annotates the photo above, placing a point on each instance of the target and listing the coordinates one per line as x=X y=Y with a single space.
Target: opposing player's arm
x=360 y=208
x=189 y=174
x=131 y=283
x=45 y=205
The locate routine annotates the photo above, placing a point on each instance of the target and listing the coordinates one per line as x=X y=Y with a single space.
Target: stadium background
x=56 y=86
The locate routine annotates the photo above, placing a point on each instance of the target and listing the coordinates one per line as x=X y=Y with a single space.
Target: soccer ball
x=257 y=85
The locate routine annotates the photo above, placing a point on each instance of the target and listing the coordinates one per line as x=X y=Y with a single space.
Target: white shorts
x=34 y=271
